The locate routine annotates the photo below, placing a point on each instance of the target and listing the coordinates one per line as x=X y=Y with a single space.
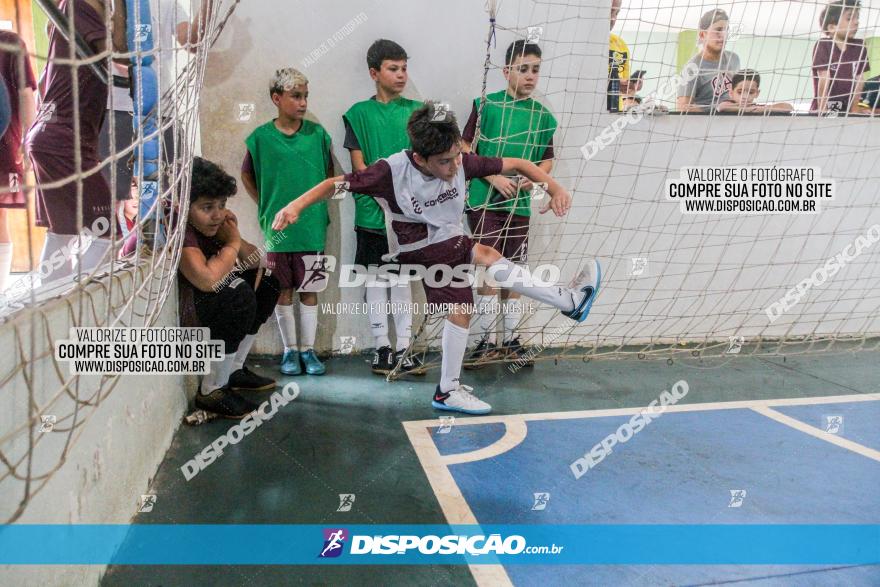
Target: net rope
x=127 y=291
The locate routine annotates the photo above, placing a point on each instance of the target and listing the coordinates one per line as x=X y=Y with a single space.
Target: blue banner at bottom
x=161 y=544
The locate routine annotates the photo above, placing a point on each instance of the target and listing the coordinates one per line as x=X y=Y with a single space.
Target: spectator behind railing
x=716 y=65
x=839 y=61
x=745 y=87
x=631 y=99
x=619 y=57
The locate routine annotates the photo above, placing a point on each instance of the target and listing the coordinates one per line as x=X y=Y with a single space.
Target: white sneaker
x=460 y=399
x=585 y=288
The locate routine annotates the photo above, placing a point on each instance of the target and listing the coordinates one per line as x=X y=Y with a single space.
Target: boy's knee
x=484 y=255
x=238 y=297
x=309 y=298
x=460 y=319
x=285 y=298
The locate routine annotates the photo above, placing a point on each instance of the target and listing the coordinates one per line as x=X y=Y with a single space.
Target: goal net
x=146 y=157
x=782 y=259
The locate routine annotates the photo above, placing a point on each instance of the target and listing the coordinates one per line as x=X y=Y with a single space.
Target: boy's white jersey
x=424 y=199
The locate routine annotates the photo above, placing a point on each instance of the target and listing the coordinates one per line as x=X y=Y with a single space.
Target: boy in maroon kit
x=52 y=144
x=18 y=78
x=839 y=61
x=422 y=193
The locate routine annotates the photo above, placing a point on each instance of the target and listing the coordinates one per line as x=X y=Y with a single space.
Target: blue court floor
x=755 y=426
x=795 y=461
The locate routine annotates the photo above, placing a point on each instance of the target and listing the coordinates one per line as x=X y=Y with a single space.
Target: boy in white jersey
x=422 y=193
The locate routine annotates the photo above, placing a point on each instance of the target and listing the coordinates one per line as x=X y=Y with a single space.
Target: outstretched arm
x=560 y=199
x=290 y=213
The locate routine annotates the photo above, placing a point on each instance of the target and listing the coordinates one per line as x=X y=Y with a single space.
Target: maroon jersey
x=844 y=68
x=209 y=246
x=51 y=141
x=52 y=132
x=16 y=71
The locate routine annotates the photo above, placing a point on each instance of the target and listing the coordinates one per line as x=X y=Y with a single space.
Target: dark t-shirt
x=352 y=144
x=52 y=132
x=209 y=246
x=16 y=71
x=351 y=141
x=844 y=68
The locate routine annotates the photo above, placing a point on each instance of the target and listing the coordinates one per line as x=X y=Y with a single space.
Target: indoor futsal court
x=770 y=443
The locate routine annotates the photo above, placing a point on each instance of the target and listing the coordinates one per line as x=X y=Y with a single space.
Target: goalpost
x=680 y=283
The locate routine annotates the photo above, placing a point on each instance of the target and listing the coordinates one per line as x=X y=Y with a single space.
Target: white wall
x=708 y=278
x=117 y=438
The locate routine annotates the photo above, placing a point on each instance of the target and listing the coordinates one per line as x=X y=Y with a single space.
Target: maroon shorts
x=303 y=271
x=505 y=232
x=453 y=252
x=56 y=207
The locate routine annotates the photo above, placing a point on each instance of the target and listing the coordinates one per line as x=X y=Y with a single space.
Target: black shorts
x=370 y=248
x=234 y=311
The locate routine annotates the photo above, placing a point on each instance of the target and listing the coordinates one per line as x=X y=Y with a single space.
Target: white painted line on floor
x=819 y=433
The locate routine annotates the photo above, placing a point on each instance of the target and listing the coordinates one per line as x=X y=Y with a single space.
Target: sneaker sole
x=445 y=408
x=232 y=417
x=266 y=387
x=225 y=416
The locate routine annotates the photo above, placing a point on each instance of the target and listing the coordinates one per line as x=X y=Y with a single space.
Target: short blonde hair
x=286 y=79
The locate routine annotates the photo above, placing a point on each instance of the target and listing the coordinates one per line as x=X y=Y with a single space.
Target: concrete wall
x=117 y=438
x=709 y=277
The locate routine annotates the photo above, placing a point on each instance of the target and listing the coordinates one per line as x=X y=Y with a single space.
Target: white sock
x=518 y=279
x=55 y=257
x=243 y=349
x=486 y=319
x=5 y=264
x=454 y=343
x=286 y=325
x=95 y=255
x=219 y=375
x=377 y=298
x=308 y=321
x=401 y=299
x=512 y=314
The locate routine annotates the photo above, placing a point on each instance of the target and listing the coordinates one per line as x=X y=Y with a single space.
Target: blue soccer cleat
x=290 y=363
x=313 y=365
x=587 y=282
